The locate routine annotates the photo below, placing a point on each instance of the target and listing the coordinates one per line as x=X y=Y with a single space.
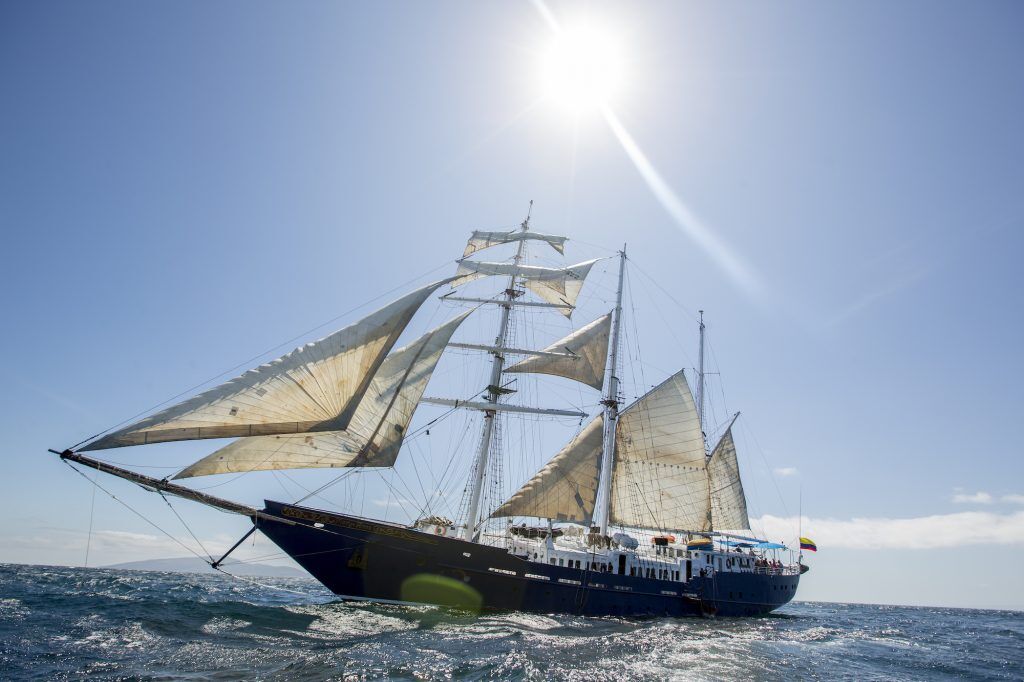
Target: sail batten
x=316 y=387
x=580 y=356
x=566 y=488
x=375 y=433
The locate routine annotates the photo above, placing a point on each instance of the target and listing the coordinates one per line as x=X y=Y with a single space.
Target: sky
x=187 y=186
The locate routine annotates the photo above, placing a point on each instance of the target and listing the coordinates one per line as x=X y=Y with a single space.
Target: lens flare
x=582 y=69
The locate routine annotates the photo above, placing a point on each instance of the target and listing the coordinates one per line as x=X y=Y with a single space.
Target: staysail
x=584 y=353
x=313 y=388
x=566 y=488
x=660 y=480
x=374 y=435
x=554 y=285
x=728 y=503
x=482 y=240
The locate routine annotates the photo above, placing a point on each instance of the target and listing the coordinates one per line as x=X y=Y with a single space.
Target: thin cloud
x=1012 y=499
x=787 y=471
x=979 y=497
x=869 y=298
x=939 y=531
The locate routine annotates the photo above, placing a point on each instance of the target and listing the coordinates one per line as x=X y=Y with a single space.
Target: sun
x=582 y=69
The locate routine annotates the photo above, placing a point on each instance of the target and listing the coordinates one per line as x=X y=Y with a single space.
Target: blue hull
x=363 y=559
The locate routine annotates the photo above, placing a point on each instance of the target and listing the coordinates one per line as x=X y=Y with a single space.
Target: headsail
x=554 y=285
x=566 y=488
x=374 y=435
x=728 y=503
x=660 y=479
x=482 y=240
x=313 y=388
x=588 y=351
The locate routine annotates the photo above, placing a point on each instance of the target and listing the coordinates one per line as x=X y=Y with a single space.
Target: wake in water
x=69 y=623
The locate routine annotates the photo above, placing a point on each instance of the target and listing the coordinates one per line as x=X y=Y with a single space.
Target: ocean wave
x=69 y=623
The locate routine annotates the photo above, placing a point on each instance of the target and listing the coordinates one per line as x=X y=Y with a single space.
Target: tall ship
x=637 y=514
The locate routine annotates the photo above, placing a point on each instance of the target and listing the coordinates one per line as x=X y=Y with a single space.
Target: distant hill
x=196 y=565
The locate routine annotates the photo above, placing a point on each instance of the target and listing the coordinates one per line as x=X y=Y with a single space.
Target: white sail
x=554 y=285
x=660 y=479
x=482 y=240
x=588 y=353
x=374 y=435
x=728 y=503
x=313 y=388
x=566 y=488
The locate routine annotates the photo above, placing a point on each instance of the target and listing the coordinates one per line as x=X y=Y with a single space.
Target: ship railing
x=777 y=570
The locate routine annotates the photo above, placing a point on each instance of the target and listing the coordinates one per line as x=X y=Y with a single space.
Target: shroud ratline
x=632 y=508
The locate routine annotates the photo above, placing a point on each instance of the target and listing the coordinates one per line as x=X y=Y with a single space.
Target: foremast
x=611 y=404
x=494 y=393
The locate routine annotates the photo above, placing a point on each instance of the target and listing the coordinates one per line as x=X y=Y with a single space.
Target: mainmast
x=494 y=393
x=611 y=402
x=700 y=382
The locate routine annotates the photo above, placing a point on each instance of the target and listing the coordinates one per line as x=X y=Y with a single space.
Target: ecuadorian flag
x=807 y=543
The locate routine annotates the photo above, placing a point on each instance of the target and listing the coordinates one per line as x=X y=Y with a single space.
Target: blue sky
x=184 y=186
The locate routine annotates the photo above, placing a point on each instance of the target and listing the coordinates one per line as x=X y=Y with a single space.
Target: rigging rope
x=133 y=510
x=92 y=510
x=198 y=541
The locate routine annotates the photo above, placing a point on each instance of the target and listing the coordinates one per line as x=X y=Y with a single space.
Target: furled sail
x=554 y=285
x=587 y=350
x=482 y=240
x=566 y=488
x=374 y=435
x=728 y=503
x=313 y=388
x=660 y=479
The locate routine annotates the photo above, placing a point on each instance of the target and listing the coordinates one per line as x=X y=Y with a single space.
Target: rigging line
x=254 y=358
x=92 y=509
x=198 y=541
x=767 y=466
x=259 y=584
x=134 y=511
x=665 y=291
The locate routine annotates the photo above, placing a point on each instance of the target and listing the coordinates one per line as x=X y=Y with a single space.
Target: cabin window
x=632 y=571
x=561 y=562
x=577 y=563
x=552 y=561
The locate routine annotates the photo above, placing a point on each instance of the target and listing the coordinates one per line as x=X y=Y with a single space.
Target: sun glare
x=582 y=69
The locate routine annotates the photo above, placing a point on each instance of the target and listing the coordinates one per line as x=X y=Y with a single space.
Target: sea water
x=74 y=623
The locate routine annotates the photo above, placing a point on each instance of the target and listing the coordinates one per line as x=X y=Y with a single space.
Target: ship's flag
x=807 y=543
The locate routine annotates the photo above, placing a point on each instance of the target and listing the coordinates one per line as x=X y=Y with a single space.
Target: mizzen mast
x=494 y=392
x=700 y=382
